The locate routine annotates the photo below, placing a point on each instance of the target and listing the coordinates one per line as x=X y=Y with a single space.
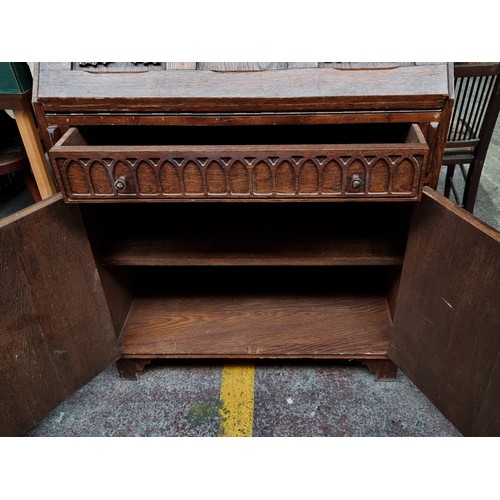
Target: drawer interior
x=370 y=133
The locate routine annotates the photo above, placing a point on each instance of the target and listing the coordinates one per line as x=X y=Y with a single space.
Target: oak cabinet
x=225 y=215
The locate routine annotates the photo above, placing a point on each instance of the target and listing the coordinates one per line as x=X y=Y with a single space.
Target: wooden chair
x=13 y=156
x=475 y=111
x=20 y=145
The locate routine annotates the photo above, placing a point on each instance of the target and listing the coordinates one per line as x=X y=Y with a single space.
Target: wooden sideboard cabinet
x=248 y=210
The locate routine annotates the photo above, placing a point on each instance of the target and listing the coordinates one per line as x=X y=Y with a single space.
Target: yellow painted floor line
x=237 y=396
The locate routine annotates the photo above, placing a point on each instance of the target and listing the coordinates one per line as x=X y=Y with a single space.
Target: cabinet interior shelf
x=251 y=235
x=263 y=281
x=257 y=326
x=264 y=312
x=224 y=250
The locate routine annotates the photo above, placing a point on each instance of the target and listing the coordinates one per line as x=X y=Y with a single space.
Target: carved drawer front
x=98 y=167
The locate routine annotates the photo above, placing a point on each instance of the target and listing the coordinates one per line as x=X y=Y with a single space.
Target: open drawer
x=358 y=161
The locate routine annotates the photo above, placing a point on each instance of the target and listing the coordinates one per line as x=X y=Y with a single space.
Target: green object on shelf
x=15 y=78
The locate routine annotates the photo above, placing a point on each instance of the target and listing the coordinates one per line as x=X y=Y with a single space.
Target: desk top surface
x=239 y=86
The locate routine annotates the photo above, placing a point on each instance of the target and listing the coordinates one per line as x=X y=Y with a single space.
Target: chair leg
x=472 y=185
x=450 y=171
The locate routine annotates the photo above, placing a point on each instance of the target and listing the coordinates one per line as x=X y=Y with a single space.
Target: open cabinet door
x=56 y=332
x=446 y=332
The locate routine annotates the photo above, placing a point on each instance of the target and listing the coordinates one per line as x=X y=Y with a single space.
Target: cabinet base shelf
x=258 y=326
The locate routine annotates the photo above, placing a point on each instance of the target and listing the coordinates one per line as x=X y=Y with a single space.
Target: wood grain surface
x=355 y=161
x=55 y=330
x=257 y=326
x=447 y=321
x=62 y=87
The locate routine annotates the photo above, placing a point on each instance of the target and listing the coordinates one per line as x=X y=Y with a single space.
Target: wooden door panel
x=56 y=333
x=446 y=332
x=488 y=420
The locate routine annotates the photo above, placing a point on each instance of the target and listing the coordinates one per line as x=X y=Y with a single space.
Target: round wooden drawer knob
x=120 y=183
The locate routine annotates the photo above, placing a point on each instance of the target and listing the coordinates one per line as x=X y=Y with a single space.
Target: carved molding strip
x=130 y=67
x=118 y=67
x=267 y=175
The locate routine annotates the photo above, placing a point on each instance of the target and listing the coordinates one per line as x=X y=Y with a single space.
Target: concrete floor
x=290 y=399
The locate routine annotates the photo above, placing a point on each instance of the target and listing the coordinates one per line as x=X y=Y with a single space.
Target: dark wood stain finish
x=272 y=278
x=106 y=172
x=55 y=330
x=446 y=326
x=263 y=326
